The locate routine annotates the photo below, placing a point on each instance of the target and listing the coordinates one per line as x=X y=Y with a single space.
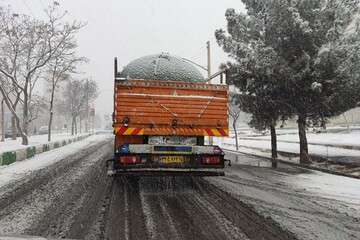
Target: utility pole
x=87 y=106
x=208 y=59
x=2 y=121
x=209 y=74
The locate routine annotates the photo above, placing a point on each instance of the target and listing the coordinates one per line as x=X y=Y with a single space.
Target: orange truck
x=160 y=127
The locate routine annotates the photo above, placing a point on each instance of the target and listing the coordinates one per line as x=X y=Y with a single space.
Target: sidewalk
x=325 y=157
x=342 y=146
x=341 y=140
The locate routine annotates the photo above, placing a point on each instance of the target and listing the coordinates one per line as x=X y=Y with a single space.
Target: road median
x=10 y=157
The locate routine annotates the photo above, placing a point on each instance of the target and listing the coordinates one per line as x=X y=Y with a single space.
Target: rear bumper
x=194 y=162
x=145 y=159
x=151 y=172
x=193 y=168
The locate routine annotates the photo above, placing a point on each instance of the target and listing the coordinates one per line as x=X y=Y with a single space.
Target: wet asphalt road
x=182 y=208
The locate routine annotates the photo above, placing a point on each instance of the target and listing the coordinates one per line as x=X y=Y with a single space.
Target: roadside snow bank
x=13 y=145
x=12 y=151
x=342 y=139
x=332 y=152
x=329 y=186
x=20 y=169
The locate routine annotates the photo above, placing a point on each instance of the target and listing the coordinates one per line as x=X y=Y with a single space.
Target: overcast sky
x=134 y=28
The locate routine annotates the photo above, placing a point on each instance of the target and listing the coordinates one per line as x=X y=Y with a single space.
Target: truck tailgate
x=151 y=107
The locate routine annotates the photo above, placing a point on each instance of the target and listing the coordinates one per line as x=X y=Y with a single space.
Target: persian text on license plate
x=172 y=159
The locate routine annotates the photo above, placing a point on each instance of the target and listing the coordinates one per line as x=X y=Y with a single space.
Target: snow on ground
x=311 y=204
x=12 y=145
x=281 y=131
x=328 y=186
x=20 y=169
x=288 y=147
x=342 y=138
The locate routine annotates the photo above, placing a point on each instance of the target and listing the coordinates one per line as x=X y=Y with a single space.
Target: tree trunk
x=304 y=153
x=76 y=127
x=24 y=132
x=24 y=137
x=51 y=112
x=2 y=121
x=87 y=122
x=80 y=124
x=274 y=161
x=236 y=135
x=13 y=128
x=15 y=120
x=73 y=121
x=50 y=123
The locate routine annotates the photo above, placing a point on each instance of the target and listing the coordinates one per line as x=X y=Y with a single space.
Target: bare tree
x=13 y=93
x=59 y=69
x=26 y=46
x=78 y=94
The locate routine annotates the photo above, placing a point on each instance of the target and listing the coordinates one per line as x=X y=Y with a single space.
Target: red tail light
x=210 y=160
x=130 y=159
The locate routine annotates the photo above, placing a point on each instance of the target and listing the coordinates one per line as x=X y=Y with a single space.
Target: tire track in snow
x=164 y=209
x=231 y=230
x=24 y=214
x=127 y=214
x=149 y=221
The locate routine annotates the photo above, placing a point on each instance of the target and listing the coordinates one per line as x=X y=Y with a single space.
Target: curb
x=10 y=157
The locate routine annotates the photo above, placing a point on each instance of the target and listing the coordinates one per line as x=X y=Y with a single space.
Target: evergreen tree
x=258 y=73
x=315 y=46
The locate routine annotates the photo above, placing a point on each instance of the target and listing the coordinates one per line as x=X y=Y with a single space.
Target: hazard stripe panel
x=216 y=132
x=129 y=131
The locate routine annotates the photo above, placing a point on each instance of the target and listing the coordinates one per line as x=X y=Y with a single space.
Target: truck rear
x=160 y=127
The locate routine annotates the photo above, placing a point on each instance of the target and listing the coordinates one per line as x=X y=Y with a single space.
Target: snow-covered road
x=71 y=196
x=311 y=204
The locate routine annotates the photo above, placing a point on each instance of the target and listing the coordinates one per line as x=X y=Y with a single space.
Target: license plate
x=172 y=159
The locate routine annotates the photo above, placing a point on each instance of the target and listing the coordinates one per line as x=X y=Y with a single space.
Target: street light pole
x=87 y=107
x=208 y=59
x=209 y=75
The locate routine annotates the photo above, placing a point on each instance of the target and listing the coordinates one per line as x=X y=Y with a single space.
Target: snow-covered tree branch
x=27 y=45
x=301 y=53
